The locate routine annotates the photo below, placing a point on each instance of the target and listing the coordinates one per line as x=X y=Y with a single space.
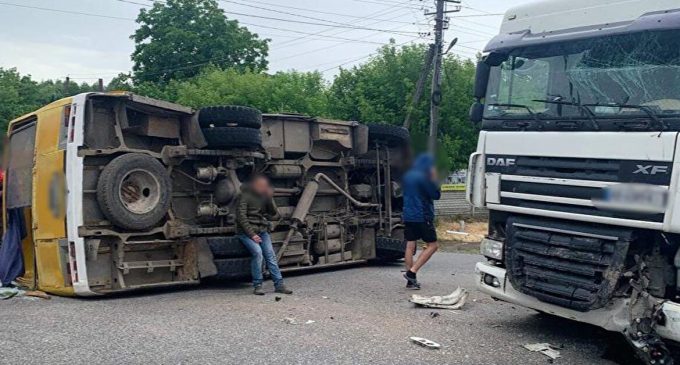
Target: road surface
x=361 y=316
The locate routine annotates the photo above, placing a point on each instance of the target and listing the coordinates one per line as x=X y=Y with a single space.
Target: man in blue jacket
x=420 y=189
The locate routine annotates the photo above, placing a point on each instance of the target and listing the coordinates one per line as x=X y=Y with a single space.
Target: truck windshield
x=629 y=76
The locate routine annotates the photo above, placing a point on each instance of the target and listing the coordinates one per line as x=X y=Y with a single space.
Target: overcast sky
x=49 y=44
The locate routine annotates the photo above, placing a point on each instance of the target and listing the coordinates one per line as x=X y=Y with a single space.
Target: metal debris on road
x=544 y=348
x=455 y=300
x=434 y=314
x=289 y=320
x=309 y=321
x=425 y=342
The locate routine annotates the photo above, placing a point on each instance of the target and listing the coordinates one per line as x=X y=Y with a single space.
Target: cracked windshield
x=629 y=76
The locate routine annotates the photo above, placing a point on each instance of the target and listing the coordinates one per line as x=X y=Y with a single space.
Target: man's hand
x=256 y=238
x=433 y=174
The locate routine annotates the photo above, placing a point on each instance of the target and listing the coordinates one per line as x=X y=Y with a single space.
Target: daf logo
x=493 y=161
x=650 y=169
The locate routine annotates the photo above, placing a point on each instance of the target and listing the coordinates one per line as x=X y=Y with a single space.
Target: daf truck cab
x=577 y=162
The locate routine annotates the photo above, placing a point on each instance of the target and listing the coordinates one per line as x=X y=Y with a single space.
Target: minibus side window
x=19 y=173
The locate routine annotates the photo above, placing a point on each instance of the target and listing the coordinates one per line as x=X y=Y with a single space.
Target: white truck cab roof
x=554 y=15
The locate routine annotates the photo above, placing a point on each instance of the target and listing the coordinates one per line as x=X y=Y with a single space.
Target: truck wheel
x=133 y=191
x=230 y=116
x=389 y=249
x=230 y=137
x=227 y=247
x=392 y=135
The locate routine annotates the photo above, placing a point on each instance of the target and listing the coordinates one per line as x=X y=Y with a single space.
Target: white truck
x=578 y=164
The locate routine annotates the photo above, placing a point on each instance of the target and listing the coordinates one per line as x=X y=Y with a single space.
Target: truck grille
x=575 y=266
x=569 y=185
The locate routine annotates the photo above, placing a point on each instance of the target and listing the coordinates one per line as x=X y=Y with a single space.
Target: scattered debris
x=425 y=342
x=456 y=232
x=544 y=348
x=289 y=320
x=309 y=321
x=277 y=298
x=434 y=314
x=11 y=292
x=455 y=300
x=324 y=297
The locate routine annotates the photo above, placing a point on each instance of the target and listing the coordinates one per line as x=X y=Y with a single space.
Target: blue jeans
x=263 y=251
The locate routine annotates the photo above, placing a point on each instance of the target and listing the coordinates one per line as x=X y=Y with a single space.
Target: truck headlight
x=491 y=249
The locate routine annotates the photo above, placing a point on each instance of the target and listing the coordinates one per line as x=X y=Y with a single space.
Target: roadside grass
x=454 y=239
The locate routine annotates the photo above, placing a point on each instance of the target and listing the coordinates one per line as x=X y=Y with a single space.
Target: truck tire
x=227 y=247
x=230 y=116
x=133 y=191
x=389 y=249
x=238 y=268
x=233 y=137
x=392 y=135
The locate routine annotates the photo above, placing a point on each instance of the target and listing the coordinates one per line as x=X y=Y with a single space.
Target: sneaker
x=283 y=290
x=411 y=279
x=411 y=286
x=258 y=290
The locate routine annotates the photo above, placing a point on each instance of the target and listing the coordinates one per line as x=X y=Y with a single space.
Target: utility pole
x=436 y=94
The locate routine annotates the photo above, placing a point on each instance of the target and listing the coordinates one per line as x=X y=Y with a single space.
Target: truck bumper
x=613 y=317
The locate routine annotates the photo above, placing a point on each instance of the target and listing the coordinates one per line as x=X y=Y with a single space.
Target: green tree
x=380 y=91
x=292 y=92
x=177 y=38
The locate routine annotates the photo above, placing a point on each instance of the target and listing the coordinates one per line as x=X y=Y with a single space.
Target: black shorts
x=420 y=231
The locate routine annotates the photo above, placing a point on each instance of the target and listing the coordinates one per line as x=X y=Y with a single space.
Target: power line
x=359 y=59
x=64 y=11
x=348 y=26
x=324 y=12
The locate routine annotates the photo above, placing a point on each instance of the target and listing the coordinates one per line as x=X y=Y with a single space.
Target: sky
x=52 y=42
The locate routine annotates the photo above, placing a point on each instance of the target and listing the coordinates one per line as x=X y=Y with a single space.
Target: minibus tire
x=238 y=268
x=230 y=116
x=232 y=137
x=227 y=247
x=392 y=135
x=389 y=249
x=141 y=180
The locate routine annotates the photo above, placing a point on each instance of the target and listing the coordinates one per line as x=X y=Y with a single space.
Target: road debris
x=456 y=232
x=544 y=348
x=12 y=292
x=290 y=320
x=434 y=314
x=455 y=300
x=277 y=298
x=309 y=321
x=425 y=342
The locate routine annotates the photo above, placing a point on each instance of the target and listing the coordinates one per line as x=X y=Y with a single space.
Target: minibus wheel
x=232 y=137
x=230 y=116
x=133 y=191
x=392 y=135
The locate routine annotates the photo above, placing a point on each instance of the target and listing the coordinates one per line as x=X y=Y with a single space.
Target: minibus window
x=19 y=173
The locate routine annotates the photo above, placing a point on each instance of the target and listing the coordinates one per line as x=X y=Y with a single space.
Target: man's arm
x=242 y=217
x=272 y=210
x=431 y=189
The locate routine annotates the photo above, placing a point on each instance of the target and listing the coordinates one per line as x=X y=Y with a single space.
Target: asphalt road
x=361 y=317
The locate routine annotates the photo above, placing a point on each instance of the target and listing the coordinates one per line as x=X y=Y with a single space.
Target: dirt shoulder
x=456 y=237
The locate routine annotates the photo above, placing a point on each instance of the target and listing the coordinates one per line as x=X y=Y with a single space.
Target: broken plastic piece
x=455 y=300
x=425 y=342
x=544 y=348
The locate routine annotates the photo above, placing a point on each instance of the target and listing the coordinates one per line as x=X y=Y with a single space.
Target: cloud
x=56 y=61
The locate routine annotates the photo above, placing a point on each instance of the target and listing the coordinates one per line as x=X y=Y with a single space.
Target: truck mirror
x=476 y=112
x=481 y=79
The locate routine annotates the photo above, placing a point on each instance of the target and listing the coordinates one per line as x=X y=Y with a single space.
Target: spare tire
x=232 y=137
x=134 y=191
x=392 y=135
x=230 y=116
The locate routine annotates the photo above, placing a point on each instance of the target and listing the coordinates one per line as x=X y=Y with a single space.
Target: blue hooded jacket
x=420 y=191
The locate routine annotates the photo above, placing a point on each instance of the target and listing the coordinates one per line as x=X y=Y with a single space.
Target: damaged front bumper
x=492 y=280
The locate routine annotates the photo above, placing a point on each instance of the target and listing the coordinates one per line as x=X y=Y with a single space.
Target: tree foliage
x=20 y=94
x=380 y=91
x=176 y=38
